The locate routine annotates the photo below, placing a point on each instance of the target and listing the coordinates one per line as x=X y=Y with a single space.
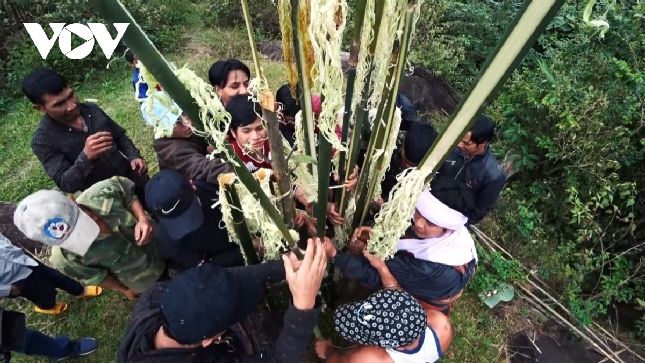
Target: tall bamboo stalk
x=532 y=19
x=299 y=34
x=270 y=117
x=361 y=118
x=136 y=39
x=359 y=13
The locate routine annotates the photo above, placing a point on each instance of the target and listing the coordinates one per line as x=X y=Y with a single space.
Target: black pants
x=40 y=286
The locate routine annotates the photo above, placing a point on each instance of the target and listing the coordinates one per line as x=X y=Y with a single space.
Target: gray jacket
x=14 y=265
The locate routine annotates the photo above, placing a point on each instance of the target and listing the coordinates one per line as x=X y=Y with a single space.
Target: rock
x=428 y=92
x=9 y=230
x=272 y=49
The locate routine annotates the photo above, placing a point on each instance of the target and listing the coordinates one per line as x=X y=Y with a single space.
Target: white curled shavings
x=394 y=218
x=326 y=26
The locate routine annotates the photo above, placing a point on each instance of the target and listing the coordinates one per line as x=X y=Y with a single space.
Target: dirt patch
x=533 y=346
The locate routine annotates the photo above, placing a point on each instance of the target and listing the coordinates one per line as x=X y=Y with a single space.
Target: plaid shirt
x=117 y=253
x=60 y=149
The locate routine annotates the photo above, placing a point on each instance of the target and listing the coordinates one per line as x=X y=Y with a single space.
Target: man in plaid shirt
x=77 y=143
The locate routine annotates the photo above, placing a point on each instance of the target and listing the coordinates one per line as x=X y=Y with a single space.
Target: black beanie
x=243 y=111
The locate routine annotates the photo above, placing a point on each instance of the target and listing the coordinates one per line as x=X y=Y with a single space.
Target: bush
x=228 y=13
x=162 y=20
x=571 y=120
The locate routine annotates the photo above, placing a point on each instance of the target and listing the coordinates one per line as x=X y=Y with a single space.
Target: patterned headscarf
x=387 y=319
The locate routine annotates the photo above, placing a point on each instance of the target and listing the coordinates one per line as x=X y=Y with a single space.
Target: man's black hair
x=418 y=139
x=483 y=130
x=41 y=82
x=243 y=111
x=218 y=73
x=289 y=103
x=129 y=56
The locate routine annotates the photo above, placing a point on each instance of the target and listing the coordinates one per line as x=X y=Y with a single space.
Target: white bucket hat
x=48 y=216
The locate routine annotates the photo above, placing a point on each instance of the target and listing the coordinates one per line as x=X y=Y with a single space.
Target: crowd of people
x=158 y=241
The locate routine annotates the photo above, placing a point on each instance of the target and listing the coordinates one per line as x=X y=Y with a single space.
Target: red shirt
x=251 y=163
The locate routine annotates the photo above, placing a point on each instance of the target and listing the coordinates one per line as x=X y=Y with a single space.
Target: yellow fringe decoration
x=288 y=54
x=327 y=23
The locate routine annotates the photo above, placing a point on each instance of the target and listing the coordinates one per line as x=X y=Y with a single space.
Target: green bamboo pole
x=270 y=117
x=305 y=87
x=530 y=22
x=239 y=224
x=349 y=91
x=249 y=32
x=389 y=109
x=134 y=37
x=360 y=121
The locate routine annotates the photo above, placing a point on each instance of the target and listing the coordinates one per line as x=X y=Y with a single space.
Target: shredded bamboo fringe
x=599 y=339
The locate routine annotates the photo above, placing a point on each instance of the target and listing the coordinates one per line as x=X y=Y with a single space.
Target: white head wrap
x=438 y=213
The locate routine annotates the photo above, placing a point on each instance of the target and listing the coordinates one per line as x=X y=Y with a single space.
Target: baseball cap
x=174 y=202
x=388 y=319
x=48 y=216
x=204 y=301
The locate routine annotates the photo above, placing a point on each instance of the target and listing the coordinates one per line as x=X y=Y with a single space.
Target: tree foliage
x=571 y=122
x=164 y=20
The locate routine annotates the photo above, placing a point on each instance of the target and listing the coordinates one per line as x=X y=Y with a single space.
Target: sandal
x=91 y=291
x=57 y=309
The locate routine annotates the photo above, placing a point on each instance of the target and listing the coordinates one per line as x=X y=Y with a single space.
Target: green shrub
x=571 y=121
x=163 y=21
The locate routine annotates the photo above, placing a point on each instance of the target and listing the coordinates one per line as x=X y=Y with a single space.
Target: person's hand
x=323 y=348
x=143 y=232
x=210 y=149
x=358 y=240
x=375 y=261
x=139 y=165
x=304 y=282
x=302 y=218
x=362 y=233
x=352 y=180
x=330 y=248
x=97 y=144
x=334 y=216
x=130 y=294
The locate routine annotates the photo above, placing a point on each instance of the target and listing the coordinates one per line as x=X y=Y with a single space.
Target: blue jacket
x=473 y=185
x=426 y=280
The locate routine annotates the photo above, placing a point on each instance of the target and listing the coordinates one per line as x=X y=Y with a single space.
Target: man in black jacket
x=188 y=319
x=77 y=143
x=471 y=173
x=188 y=227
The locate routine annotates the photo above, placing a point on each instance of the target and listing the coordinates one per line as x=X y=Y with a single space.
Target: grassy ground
x=480 y=334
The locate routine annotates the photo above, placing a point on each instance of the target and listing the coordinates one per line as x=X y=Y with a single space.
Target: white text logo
x=89 y=33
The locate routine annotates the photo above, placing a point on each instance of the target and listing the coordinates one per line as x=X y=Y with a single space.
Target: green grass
x=480 y=335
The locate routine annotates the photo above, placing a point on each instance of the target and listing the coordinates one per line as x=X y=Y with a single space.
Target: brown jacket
x=188 y=156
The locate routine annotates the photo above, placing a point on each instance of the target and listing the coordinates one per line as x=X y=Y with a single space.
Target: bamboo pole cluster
x=312 y=39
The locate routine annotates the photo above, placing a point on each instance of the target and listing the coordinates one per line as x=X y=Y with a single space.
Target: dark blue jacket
x=473 y=184
x=426 y=280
